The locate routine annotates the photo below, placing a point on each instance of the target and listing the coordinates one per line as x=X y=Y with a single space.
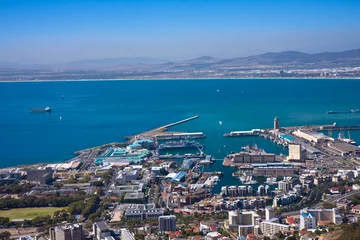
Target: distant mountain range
x=142 y=63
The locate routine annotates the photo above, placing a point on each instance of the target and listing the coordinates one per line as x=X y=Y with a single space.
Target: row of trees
x=32 y=201
x=16 y=188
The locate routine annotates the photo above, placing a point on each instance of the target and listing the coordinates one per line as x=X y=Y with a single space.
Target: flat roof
x=344 y=147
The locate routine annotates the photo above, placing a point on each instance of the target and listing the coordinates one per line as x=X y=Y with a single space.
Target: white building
x=272 y=226
x=296 y=153
x=269 y=213
x=307 y=220
x=126 y=234
x=284 y=186
x=312 y=136
x=101 y=230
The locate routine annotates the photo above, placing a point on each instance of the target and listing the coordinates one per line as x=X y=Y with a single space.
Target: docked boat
x=346 y=140
x=47 y=109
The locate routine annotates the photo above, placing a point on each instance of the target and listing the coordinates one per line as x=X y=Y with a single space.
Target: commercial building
x=188 y=164
x=41 y=176
x=312 y=136
x=67 y=232
x=344 y=149
x=167 y=223
x=134 y=197
x=273 y=169
x=246 y=157
x=296 y=153
x=101 y=230
x=127 y=176
x=142 y=211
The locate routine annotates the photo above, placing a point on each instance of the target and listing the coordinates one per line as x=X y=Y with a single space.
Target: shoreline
x=173 y=79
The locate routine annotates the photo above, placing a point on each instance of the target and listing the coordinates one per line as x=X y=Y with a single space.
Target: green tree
x=5 y=235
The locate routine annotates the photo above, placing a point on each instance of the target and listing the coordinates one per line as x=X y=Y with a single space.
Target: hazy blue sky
x=65 y=30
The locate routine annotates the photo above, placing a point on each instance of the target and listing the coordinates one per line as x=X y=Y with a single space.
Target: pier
x=161 y=130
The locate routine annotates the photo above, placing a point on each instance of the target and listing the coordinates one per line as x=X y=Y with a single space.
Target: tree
x=5 y=235
x=345 y=219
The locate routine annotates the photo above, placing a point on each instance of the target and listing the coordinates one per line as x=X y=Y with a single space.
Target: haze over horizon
x=62 y=31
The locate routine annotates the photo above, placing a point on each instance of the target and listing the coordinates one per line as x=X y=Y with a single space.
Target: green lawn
x=28 y=213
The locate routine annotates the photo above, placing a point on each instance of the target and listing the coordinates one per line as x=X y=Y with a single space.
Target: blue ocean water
x=98 y=112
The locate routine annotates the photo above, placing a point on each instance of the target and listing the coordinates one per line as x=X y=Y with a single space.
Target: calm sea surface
x=98 y=112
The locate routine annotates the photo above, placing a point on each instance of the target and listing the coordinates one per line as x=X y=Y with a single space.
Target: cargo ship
x=47 y=109
x=339 y=112
x=180 y=144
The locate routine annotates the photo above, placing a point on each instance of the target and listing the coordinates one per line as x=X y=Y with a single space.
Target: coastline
x=175 y=79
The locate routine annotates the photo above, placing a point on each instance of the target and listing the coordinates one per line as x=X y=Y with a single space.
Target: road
x=333 y=199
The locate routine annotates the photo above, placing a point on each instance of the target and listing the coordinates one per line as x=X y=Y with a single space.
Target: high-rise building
x=284 y=185
x=276 y=123
x=167 y=223
x=101 y=230
x=269 y=213
x=67 y=232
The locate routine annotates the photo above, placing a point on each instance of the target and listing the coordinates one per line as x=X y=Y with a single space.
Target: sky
x=55 y=31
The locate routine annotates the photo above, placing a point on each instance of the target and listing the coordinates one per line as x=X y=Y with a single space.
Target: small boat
x=354 y=110
x=47 y=109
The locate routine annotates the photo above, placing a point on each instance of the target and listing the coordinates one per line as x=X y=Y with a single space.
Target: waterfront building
x=276 y=123
x=67 y=232
x=248 y=158
x=188 y=164
x=344 y=149
x=167 y=223
x=312 y=136
x=273 y=169
x=296 y=153
x=101 y=230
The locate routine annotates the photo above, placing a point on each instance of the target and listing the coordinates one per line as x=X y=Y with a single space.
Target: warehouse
x=345 y=149
x=312 y=136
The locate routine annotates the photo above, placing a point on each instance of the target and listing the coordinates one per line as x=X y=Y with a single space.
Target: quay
x=253 y=132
